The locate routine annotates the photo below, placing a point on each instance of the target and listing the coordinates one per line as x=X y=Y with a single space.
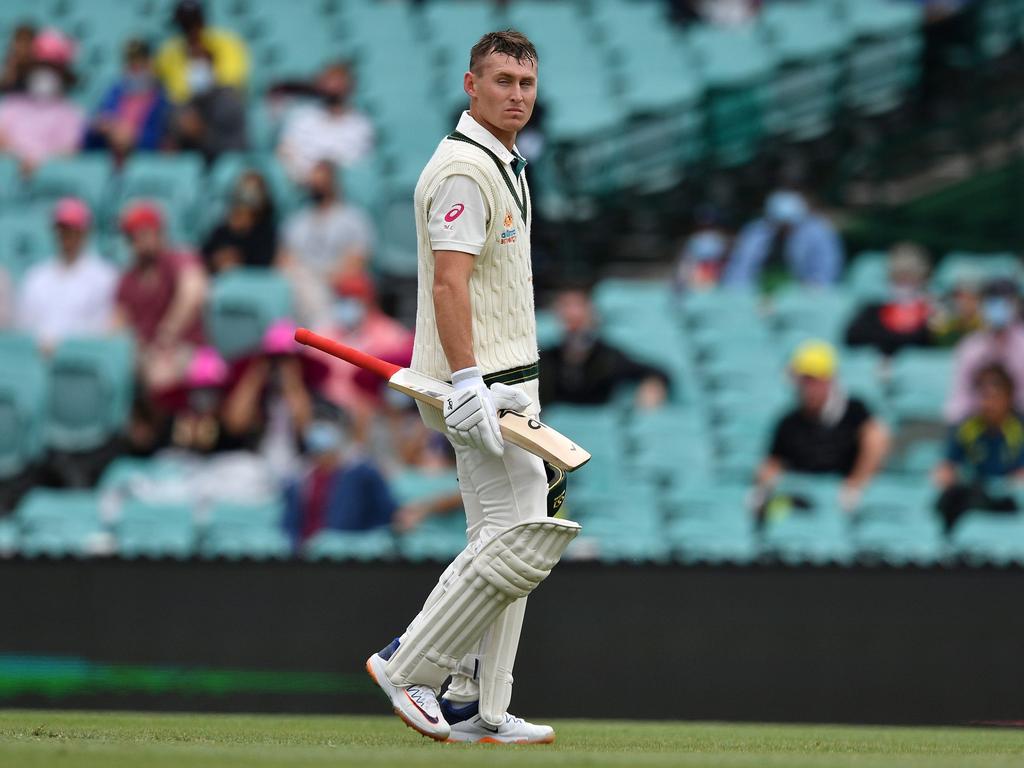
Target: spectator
x=160 y=297
x=1000 y=341
x=828 y=432
x=273 y=395
x=247 y=235
x=18 y=61
x=790 y=241
x=702 y=259
x=201 y=57
x=42 y=122
x=73 y=293
x=986 y=446
x=341 y=491
x=332 y=130
x=196 y=405
x=6 y=300
x=358 y=321
x=213 y=119
x=134 y=111
x=903 y=319
x=959 y=315
x=585 y=370
x=323 y=242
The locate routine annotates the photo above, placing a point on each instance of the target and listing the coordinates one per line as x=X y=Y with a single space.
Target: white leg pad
x=500 y=643
x=507 y=568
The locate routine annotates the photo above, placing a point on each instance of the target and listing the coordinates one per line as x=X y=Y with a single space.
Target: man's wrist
x=466 y=378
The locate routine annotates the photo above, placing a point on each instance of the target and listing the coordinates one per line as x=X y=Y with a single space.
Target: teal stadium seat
x=976 y=268
x=920 y=381
x=235 y=531
x=59 y=523
x=243 y=304
x=984 y=538
x=711 y=524
x=91 y=385
x=350 y=545
x=867 y=277
x=155 y=530
x=23 y=386
x=26 y=238
x=174 y=181
x=85 y=176
x=882 y=64
x=809 y=46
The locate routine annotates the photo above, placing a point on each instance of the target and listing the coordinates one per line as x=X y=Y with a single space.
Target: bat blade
x=527 y=433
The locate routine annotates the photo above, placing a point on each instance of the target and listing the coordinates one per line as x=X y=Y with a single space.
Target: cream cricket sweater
x=501 y=286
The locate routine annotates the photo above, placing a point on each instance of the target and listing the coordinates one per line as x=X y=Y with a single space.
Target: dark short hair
x=508 y=41
x=996 y=373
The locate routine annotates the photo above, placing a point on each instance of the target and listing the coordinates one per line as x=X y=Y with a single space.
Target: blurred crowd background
x=776 y=251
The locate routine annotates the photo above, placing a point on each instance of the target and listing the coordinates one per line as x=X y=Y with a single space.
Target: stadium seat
x=59 y=523
x=867 y=277
x=920 y=380
x=23 y=390
x=255 y=543
x=174 y=181
x=26 y=238
x=350 y=545
x=91 y=384
x=975 y=268
x=84 y=176
x=243 y=303
x=900 y=542
x=984 y=538
x=154 y=530
x=804 y=91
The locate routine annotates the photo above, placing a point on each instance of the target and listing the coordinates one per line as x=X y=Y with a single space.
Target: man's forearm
x=874 y=448
x=454 y=323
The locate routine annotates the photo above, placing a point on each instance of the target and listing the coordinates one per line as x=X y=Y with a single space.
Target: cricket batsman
x=475 y=327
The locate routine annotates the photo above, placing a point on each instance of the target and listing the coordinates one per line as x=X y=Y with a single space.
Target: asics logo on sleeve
x=454 y=213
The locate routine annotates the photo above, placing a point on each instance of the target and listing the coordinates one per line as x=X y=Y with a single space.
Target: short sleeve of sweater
x=458 y=216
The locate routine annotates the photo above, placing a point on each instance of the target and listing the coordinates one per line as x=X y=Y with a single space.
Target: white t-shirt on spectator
x=57 y=300
x=318 y=239
x=312 y=134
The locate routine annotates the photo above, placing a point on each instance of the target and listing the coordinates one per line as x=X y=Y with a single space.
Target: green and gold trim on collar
x=520 y=197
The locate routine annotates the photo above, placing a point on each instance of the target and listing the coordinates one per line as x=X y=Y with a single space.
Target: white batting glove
x=470 y=413
x=508 y=398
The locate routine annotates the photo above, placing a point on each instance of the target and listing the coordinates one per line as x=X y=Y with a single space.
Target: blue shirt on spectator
x=812 y=250
x=357 y=498
x=986 y=452
x=152 y=121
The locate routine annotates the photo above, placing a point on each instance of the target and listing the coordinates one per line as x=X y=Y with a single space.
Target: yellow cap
x=814 y=358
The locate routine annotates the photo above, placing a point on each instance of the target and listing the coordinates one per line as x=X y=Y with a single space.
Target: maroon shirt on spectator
x=145 y=294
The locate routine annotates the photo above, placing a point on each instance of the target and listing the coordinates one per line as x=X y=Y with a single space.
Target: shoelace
x=419 y=694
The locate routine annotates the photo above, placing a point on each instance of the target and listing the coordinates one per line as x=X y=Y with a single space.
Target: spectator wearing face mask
x=71 y=294
x=332 y=130
x=903 y=319
x=134 y=111
x=585 y=370
x=247 y=236
x=790 y=242
x=958 y=314
x=18 y=60
x=43 y=123
x=357 y=320
x=322 y=242
x=160 y=297
x=700 y=263
x=1000 y=341
x=201 y=57
x=213 y=119
x=340 y=491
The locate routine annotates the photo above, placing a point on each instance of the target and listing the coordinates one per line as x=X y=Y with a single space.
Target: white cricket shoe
x=416 y=704
x=513 y=730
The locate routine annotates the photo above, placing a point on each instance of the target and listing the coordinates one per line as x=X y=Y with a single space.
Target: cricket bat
x=529 y=434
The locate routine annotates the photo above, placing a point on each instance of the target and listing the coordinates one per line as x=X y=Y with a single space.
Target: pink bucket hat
x=279 y=338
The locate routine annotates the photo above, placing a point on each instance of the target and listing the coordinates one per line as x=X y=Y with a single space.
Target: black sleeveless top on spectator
x=805 y=444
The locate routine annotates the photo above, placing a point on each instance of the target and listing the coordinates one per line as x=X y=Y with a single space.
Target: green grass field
x=31 y=739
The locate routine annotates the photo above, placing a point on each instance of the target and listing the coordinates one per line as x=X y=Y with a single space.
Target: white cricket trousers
x=497 y=492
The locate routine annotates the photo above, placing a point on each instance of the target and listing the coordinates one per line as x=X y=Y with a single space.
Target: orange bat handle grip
x=382 y=368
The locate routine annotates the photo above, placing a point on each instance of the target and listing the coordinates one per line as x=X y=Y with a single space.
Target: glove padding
x=471 y=415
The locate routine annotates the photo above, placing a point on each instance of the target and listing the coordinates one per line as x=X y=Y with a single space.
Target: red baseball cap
x=72 y=212
x=143 y=215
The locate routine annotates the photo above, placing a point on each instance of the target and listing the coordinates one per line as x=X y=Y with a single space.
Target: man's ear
x=469 y=85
